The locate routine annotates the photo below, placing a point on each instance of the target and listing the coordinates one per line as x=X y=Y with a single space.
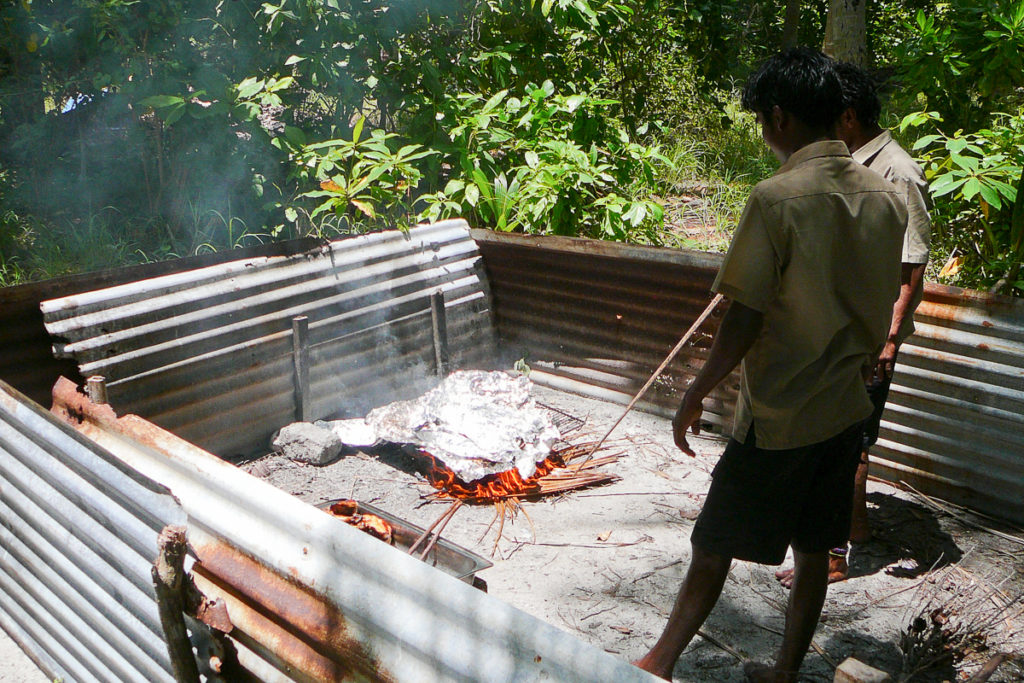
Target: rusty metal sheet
x=597 y=318
x=207 y=352
x=312 y=599
x=78 y=534
x=26 y=361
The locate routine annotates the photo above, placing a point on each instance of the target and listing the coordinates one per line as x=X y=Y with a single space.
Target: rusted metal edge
x=317 y=600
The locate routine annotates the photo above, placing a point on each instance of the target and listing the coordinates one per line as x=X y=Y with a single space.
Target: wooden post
x=439 y=323
x=96 y=389
x=170 y=584
x=300 y=356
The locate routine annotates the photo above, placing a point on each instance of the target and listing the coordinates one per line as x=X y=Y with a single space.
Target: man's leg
x=860 y=532
x=810 y=583
x=698 y=594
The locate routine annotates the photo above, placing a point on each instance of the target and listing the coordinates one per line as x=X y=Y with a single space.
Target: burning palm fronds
x=958 y=621
x=557 y=473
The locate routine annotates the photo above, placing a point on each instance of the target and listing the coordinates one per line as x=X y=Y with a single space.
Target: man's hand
x=686 y=417
x=886 y=361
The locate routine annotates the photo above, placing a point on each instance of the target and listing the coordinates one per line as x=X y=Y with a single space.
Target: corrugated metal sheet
x=208 y=353
x=78 y=536
x=954 y=423
x=312 y=599
x=26 y=361
x=596 y=318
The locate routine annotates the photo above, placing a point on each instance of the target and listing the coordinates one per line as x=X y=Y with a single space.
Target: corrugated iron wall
x=26 y=361
x=596 y=318
x=78 y=536
x=954 y=423
x=208 y=353
x=311 y=599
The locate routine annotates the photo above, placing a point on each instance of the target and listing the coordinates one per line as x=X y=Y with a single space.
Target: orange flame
x=493 y=487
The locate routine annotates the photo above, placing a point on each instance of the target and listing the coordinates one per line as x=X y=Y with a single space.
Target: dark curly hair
x=801 y=81
x=860 y=91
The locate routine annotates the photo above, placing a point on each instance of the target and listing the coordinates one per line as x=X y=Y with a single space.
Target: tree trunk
x=846 y=32
x=791 y=24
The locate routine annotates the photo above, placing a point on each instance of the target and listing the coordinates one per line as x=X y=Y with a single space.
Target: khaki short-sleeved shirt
x=885 y=157
x=817 y=251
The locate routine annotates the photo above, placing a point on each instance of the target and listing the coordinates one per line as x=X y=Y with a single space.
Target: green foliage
x=545 y=163
x=965 y=59
x=358 y=177
x=974 y=179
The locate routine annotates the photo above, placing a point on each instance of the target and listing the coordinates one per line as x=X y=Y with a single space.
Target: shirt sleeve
x=917 y=239
x=750 y=273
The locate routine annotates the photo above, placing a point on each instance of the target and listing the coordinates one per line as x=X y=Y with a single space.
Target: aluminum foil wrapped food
x=476 y=422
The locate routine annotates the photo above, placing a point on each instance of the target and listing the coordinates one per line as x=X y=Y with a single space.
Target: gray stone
x=305 y=442
x=856 y=671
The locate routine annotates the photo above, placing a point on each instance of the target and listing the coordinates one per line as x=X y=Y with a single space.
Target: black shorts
x=878 y=392
x=762 y=501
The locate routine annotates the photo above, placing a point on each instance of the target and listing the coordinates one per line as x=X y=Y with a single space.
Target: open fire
x=554 y=474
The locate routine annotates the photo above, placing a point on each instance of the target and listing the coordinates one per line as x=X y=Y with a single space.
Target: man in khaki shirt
x=812 y=272
x=874 y=147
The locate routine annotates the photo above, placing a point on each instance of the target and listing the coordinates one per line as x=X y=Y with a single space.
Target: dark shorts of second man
x=760 y=501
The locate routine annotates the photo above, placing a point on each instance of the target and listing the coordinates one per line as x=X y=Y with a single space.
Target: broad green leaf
x=363 y=206
x=970 y=188
x=945 y=184
x=294 y=59
x=573 y=102
x=991 y=195
x=159 y=101
x=358 y=130
x=174 y=114
x=472 y=194
x=295 y=135
x=280 y=84
x=925 y=141
x=291 y=214
x=249 y=87
x=955 y=145
x=532 y=160
x=490 y=105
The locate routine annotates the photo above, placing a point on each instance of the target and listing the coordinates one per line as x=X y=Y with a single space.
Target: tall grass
x=717 y=161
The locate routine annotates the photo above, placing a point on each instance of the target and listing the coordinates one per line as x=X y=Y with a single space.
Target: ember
x=554 y=474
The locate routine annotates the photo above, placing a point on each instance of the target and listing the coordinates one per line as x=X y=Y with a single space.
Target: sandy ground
x=15 y=665
x=605 y=563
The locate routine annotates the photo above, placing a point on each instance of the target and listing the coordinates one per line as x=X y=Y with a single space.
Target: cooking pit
x=604 y=562
x=227 y=355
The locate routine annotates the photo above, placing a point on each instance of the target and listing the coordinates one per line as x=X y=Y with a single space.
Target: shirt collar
x=871 y=149
x=822 y=148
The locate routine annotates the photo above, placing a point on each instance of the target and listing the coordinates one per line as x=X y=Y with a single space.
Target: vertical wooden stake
x=169 y=582
x=439 y=322
x=96 y=389
x=300 y=356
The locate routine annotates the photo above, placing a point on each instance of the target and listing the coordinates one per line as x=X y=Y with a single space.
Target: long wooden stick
x=661 y=368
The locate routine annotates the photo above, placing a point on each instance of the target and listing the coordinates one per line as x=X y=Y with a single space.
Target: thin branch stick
x=437 y=534
x=715 y=641
x=447 y=513
x=657 y=373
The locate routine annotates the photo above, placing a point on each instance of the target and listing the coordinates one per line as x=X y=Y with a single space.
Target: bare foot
x=756 y=672
x=838 y=570
x=642 y=663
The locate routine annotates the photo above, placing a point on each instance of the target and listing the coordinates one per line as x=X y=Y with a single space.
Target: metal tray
x=450 y=558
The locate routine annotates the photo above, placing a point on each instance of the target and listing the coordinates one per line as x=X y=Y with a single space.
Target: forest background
x=138 y=130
